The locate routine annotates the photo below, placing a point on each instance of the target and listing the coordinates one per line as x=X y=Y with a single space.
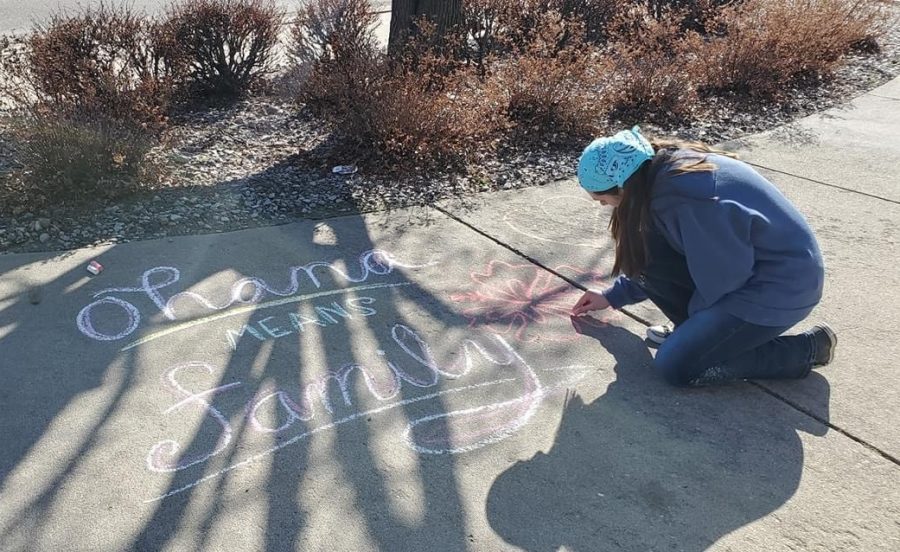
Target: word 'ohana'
x=250 y=290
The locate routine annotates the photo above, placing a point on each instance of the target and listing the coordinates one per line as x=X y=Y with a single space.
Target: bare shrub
x=495 y=27
x=329 y=30
x=694 y=15
x=483 y=21
x=333 y=89
x=325 y=31
x=332 y=42
x=395 y=121
x=397 y=113
x=226 y=46
x=90 y=93
x=550 y=90
x=100 y=63
x=500 y=27
x=764 y=45
x=414 y=126
x=655 y=67
x=595 y=15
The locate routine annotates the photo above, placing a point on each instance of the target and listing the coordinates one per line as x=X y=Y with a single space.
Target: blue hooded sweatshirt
x=747 y=247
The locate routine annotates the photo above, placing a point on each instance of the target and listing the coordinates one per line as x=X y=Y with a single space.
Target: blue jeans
x=713 y=346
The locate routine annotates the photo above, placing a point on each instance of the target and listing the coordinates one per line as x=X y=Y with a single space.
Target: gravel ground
x=238 y=167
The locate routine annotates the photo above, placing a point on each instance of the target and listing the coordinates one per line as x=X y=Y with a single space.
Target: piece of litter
x=94 y=268
x=345 y=170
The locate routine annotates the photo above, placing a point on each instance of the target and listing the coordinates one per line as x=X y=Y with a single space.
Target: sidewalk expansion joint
x=813 y=180
x=884 y=97
x=886 y=455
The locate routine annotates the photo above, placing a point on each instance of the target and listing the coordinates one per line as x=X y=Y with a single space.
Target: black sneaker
x=825 y=342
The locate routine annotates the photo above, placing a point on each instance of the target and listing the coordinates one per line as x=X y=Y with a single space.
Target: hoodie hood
x=670 y=187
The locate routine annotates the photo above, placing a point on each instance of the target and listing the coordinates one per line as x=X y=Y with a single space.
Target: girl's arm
x=624 y=292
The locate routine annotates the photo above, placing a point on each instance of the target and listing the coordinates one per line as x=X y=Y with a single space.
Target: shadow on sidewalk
x=44 y=376
x=649 y=467
x=353 y=472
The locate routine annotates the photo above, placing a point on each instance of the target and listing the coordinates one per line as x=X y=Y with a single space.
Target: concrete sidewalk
x=412 y=381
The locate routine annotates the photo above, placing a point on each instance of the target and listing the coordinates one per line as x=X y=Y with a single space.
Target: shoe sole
x=657 y=338
x=832 y=337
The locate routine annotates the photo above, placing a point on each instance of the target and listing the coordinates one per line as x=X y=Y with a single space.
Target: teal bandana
x=608 y=162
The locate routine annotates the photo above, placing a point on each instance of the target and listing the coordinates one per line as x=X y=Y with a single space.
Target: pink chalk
x=94 y=268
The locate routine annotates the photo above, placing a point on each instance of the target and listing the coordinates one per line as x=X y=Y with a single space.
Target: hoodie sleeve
x=624 y=292
x=715 y=237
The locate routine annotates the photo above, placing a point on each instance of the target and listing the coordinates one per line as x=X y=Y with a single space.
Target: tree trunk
x=444 y=13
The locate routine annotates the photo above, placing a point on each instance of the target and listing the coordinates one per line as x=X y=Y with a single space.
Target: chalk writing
x=249 y=290
x=566 y=216
x=274 y=327
x=235 y=311
x=523 y=300
x=162 y=456
x=479 y=426
x=86 y=325
x=507 y=298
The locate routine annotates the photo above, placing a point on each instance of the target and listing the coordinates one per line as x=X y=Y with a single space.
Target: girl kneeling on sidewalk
x=722 y=253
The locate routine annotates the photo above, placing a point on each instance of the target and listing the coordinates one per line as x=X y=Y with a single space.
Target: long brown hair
x=630 y=221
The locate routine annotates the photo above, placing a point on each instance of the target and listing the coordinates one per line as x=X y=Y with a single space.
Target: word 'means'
x=282 y=325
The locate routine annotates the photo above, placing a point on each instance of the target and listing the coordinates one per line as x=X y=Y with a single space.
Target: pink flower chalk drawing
x=516 y=299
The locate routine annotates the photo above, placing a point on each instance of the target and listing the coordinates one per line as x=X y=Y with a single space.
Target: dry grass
x=70 y=160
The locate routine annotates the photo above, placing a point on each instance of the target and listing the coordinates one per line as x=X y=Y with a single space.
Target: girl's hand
x=590 y=301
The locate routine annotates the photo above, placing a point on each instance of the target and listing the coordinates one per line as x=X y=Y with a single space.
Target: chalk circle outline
x=506 y=219
x=494 y=435
x=86 y=325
